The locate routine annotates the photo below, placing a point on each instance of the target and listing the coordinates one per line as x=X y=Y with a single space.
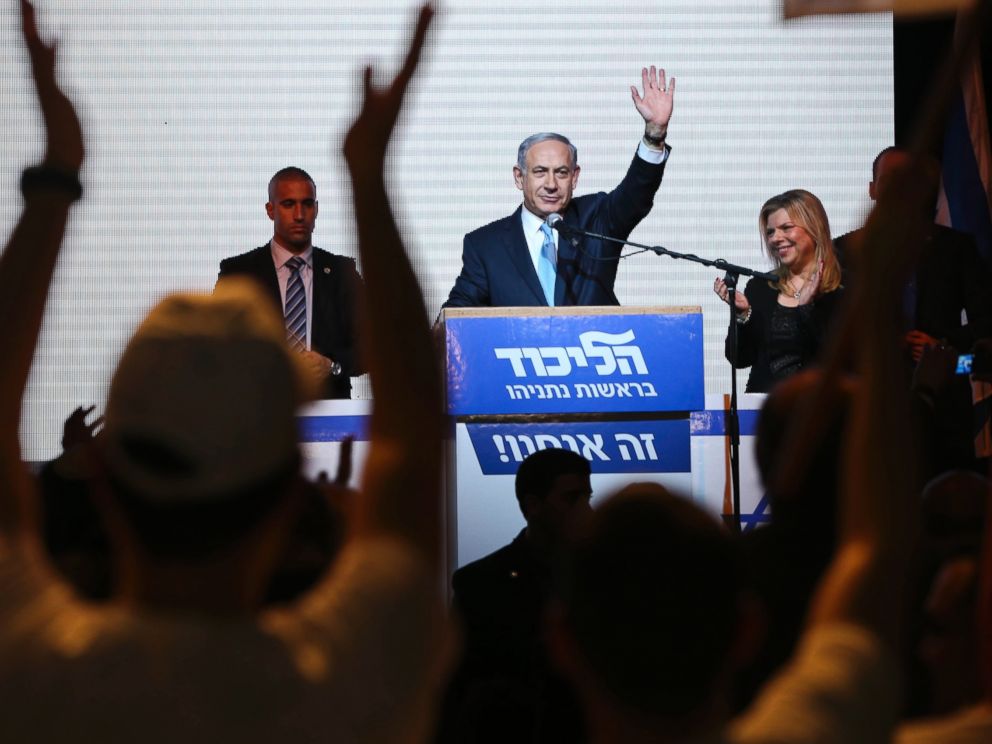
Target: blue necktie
x=547 y=264
x=296 y=306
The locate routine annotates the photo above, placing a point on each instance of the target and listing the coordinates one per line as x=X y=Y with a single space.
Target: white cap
x=203 y=402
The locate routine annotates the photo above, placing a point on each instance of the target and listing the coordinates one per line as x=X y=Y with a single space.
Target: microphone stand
x=732 y=274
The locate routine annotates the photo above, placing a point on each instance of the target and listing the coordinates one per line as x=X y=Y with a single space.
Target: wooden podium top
x=510 y=312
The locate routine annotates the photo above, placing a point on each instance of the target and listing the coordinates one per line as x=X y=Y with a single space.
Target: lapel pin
x=327 y=270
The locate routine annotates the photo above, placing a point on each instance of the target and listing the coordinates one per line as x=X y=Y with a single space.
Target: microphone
x=554 y=221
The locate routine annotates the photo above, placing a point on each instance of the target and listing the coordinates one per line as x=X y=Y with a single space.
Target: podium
x=621 y=386
x=617 y=385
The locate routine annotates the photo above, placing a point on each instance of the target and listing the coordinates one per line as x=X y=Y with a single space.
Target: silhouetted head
x=650 y=604
x=809 y=501
x=894 y=162
x=553 y=491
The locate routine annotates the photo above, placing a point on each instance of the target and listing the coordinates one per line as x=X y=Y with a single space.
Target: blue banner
x=333 y=428
x=714 y=423
x=616 y=447
x=612 y=363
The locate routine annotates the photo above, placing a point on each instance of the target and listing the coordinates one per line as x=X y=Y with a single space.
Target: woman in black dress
x=781 y=325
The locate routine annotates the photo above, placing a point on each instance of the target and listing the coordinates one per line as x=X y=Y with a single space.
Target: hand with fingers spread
x=64 y=148
x=77 y=431
x=655 y=105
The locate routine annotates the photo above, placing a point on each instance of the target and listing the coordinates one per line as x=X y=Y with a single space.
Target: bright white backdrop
x=189 y=107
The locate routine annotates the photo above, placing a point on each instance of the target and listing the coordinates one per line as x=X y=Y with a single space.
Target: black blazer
x=497 y=269
x=815 y=321
x=950 y=277
x=336 y=288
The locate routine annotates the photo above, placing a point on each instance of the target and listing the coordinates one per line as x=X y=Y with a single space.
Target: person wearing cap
x=321 y=325
x=198 y=480
x=520 y=261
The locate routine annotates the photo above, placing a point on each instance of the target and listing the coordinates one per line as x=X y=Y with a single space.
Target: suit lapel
x=567 y=263
x=321 y=276
x=516 y=246
x=267 y=274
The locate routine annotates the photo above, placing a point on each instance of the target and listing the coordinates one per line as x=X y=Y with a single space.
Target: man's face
x=292 y=207
x=566 y=502
x=549 y=180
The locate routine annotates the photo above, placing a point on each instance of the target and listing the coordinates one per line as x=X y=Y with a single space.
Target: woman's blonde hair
x=806 y=211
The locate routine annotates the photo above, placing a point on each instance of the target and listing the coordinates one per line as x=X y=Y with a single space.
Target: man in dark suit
x=504 y=689
x=514 y=261
x=950 y=277
x=330 y=284
x=951 y=280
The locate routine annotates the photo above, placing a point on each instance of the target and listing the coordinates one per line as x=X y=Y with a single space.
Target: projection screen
x=189 y=107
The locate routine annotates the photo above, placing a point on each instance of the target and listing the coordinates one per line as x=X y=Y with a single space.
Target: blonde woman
x=781 y=325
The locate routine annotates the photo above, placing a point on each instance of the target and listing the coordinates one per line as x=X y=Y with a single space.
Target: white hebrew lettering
x=623 y=440
x=534 y=355
x=562 y=367
x=546 y=441
x=593 y=446
x=609 y=351
x=514 y=356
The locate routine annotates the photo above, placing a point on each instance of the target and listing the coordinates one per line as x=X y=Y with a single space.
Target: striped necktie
x=296 y=306
x=547 y=264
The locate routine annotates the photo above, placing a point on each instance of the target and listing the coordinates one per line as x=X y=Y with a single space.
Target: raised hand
x=655 y=106
x=64 y=147
x=366 y=141
x=76 y=431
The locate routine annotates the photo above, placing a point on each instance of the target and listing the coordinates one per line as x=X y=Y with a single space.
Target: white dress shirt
x=279 y=257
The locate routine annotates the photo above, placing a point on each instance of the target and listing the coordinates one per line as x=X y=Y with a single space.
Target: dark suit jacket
x=504 y=689
x=497 y=269
x=950 y=277
x=336 y=289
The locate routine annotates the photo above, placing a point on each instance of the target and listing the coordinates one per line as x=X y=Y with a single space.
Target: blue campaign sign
x=582 y=363
x=614 y=447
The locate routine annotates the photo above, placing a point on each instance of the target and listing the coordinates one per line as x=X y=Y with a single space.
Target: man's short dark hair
x=537 y=474
x=882 y=154
x=287 y=173
x=650 y=592
x=929 y=161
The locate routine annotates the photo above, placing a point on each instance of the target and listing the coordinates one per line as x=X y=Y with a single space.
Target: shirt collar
x=531 y=222
x=280 y=255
